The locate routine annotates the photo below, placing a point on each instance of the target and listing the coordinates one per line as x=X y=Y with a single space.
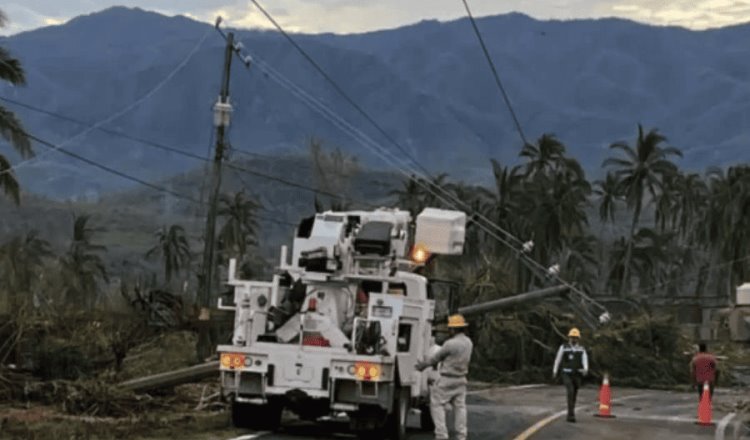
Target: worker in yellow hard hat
x=450 y=388
x=574 y=362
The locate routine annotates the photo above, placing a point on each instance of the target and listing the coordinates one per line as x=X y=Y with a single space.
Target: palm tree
x=556 y=209
x=544 y=156
x=172 y=245
x=82 y=267
x=578 y=262
x=433 y=196
x=692 y=197
x=650 y=254
x=10 y=127
x=410 y=196
x=608 y=192
x=724 y=226
x=477 y=199
x=666 y=201
x=556 y=196
x=240 y=228
x=641 y=173
x=508 y=191
x=21 y=262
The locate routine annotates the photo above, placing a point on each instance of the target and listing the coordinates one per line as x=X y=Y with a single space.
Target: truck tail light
x=232 y=360
x=367 y=371
x=312 y=305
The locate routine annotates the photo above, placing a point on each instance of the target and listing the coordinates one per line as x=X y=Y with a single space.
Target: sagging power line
x=178 y=151
x=134 y=179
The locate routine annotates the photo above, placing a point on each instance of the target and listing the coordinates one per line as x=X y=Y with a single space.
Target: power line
x=338 y=88
x=137 y=180
x=179 y=151
x=121 y=112
x=494 y=73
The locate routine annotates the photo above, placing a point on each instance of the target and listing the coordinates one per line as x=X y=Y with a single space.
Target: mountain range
x=590 y=82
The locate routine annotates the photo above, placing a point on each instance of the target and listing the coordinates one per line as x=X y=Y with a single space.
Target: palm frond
x=12 y=131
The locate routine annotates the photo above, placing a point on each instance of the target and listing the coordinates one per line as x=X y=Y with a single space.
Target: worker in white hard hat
x=574 y=362
x=450 y=387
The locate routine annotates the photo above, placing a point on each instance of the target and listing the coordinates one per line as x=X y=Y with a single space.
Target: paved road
x=535 y=413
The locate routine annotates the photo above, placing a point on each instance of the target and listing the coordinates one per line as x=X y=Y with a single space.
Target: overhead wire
x=158 y=86
x=131 y=178
x=336 y=87
x=177 y=150
x=495 y=74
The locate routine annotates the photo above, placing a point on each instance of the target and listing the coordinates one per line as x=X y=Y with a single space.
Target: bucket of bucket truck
x=440 y=231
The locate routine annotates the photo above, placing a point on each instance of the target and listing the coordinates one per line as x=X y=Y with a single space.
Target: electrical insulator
x=528 y=246
x=554 y=270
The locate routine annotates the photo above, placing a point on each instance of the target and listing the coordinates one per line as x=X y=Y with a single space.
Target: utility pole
x=222 y=112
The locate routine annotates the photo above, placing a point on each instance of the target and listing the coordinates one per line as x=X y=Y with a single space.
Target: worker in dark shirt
x=573 y=362
x=704 y=368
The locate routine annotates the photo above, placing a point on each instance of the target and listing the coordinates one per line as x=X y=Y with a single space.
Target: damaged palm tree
x=11 y=129
x=82 y=266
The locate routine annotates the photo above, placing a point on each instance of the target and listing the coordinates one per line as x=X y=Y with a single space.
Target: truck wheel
x=256 y=417
x=397 y=419
x=425 y=418
x=370 y=434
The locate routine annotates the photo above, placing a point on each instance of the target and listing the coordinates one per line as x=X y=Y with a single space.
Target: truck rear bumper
x=336 y=395
x=293 y=373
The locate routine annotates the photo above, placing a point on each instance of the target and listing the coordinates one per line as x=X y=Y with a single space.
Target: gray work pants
x=449 y=391
x=572 y=383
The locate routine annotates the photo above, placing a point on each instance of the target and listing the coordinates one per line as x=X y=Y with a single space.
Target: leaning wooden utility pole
x=222 y=113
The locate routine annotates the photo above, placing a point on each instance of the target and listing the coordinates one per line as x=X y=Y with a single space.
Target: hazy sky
x=344 y=16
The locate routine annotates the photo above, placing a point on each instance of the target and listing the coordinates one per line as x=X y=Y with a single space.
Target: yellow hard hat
x=456 y=321
x=574 y=333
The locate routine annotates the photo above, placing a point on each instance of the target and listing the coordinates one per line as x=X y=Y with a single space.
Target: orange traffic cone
x=605 y=400
x=704 y=407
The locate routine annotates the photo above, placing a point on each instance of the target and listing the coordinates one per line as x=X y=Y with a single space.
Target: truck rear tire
x=256 y=417
x=425 y=418
x=396 y=425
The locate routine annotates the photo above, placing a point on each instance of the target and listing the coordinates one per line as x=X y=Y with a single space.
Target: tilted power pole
x=222 y=113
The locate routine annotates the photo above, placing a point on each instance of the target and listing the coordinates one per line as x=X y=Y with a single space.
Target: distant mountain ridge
x=587 y=81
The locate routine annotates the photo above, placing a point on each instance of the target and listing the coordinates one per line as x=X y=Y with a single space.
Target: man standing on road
x=450 y=388
x=574 y=361
x=704 y=368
